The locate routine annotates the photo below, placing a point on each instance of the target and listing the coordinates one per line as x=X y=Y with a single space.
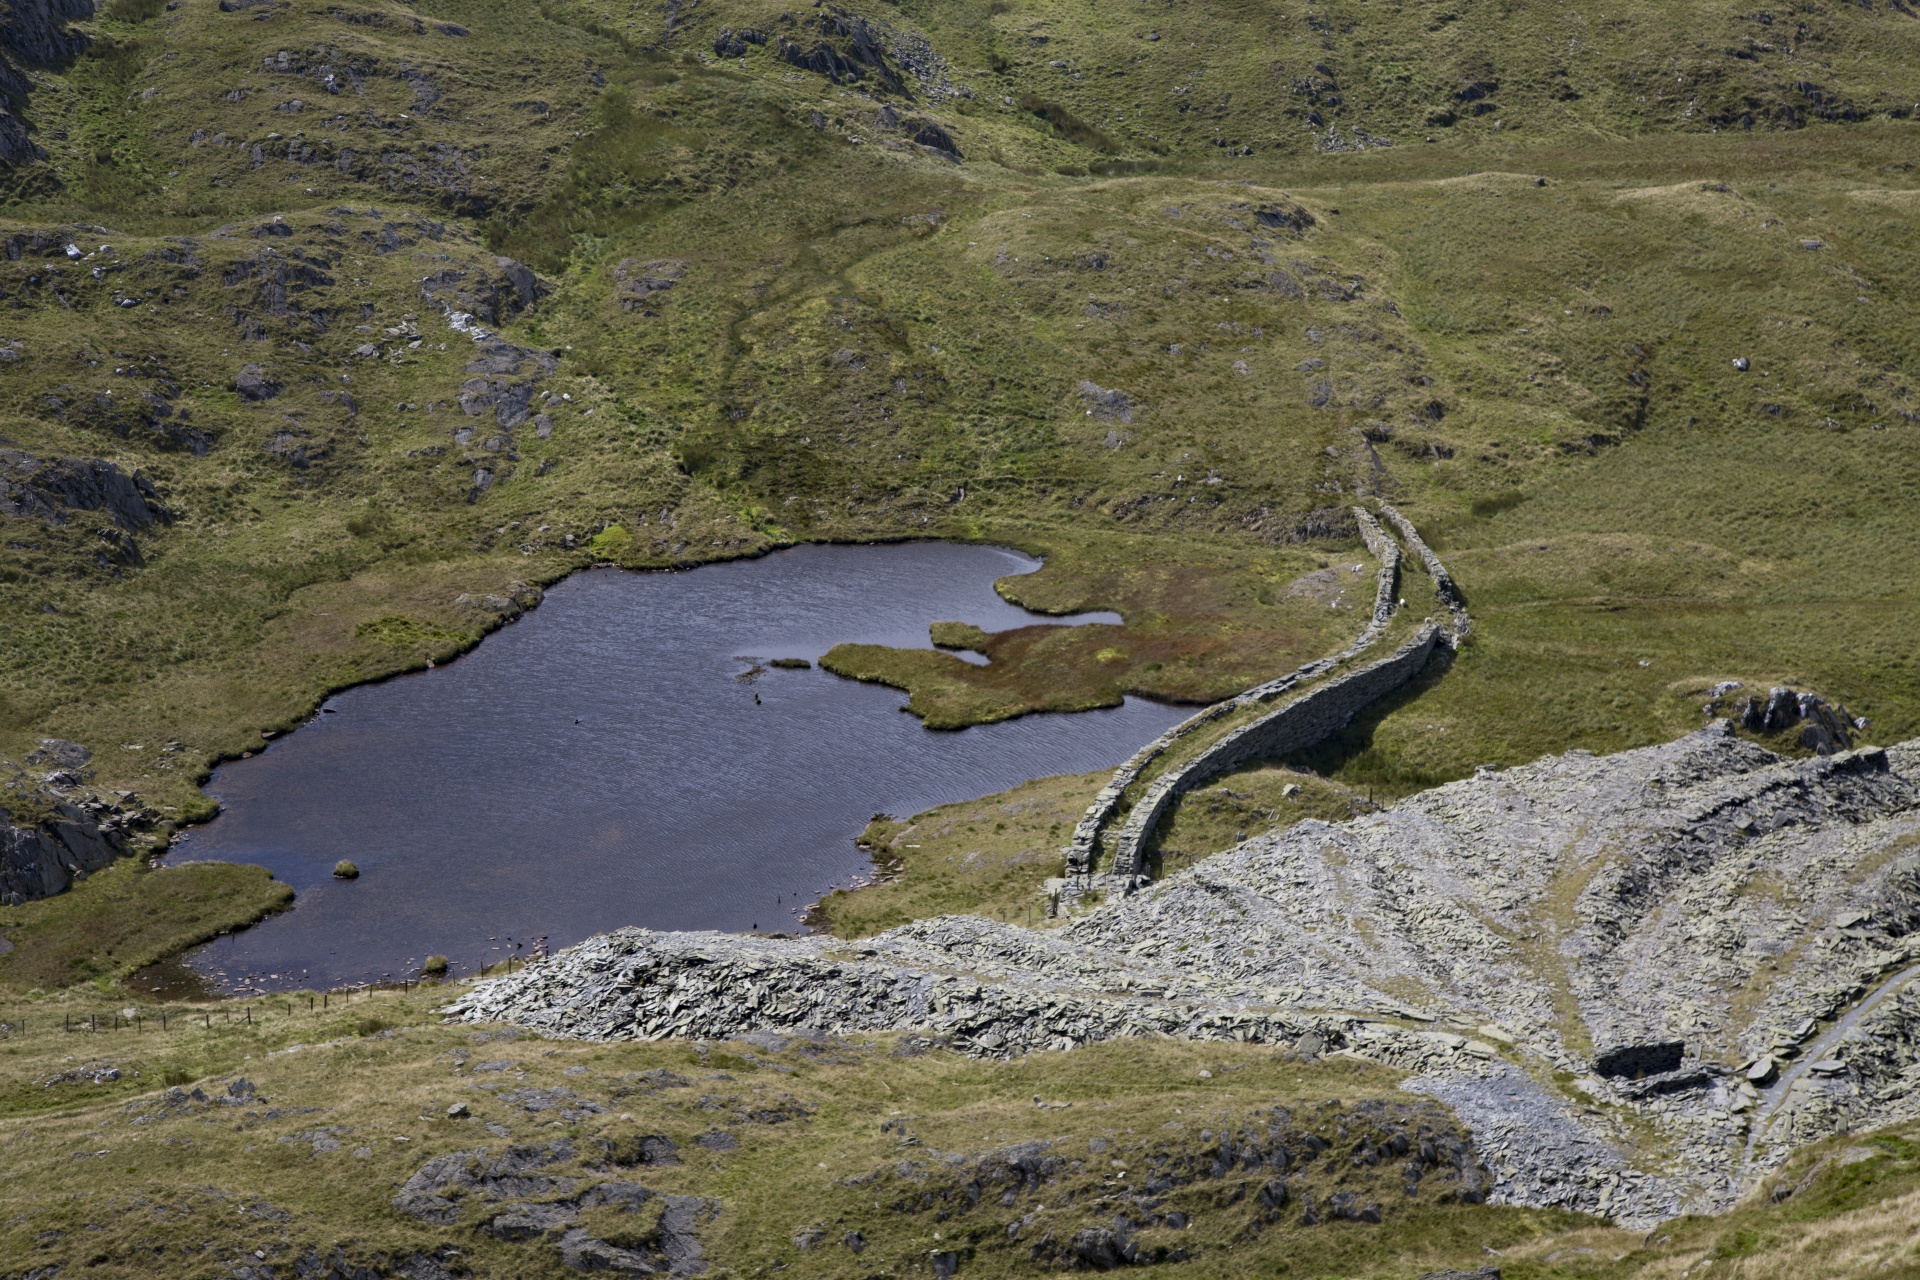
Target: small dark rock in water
x=791 y=664
x=345 y=870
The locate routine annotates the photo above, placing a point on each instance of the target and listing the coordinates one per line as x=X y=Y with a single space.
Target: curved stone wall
x=1085 y=845
x=1295 y=727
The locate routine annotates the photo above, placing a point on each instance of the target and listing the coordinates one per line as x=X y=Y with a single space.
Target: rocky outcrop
x=504 y=379
x=523 y=1200
x=41 y=859
x=33 y=33
x=49 y=489
x=1480 y=935
x=636 y=281
x=1823 y=728
x=487 y=297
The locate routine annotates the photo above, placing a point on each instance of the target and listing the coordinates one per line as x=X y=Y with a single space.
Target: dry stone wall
x=1386 y=599
x=1443 y=583
x=1298 y=725
x=1085 y=846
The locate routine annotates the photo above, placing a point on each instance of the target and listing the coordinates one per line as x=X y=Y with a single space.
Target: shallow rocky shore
x=1700 y=934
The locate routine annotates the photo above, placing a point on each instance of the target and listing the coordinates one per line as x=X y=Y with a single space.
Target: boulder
x=47 y=489
x=43 y=859
x=253 y=384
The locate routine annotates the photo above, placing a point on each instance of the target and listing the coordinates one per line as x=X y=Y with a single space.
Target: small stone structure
x=1442 y=580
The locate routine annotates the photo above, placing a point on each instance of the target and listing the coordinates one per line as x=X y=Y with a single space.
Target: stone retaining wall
x=1085 y=845
x=1296 y=726
x=1386 y=599
x=1086 y=836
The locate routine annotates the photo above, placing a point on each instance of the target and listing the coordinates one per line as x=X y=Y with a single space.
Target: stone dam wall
x=1294 y=727
x=1086 y=835
x=1386 y=599
x=1085 y=845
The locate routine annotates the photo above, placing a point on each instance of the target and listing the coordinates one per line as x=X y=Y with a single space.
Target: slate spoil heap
x=1711 y=941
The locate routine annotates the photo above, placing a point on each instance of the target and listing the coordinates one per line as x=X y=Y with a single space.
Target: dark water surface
x=600 y=763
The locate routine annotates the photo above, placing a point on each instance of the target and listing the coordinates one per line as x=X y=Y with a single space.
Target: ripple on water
x=601 y=763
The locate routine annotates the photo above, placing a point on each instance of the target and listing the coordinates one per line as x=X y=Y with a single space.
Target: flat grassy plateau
x=1617 y=307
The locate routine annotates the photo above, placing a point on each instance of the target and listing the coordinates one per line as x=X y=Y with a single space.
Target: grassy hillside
x=406 y=311
x=779 y=312
x=268 y=1136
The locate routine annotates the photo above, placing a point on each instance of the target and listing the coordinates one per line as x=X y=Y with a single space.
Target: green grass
x=1162 y=325
x=125 y=917
x=821 y=1133
x=848 y=1136
x=872 y=343
x=989 y=857
x=1251 y=801
x=1199 y=623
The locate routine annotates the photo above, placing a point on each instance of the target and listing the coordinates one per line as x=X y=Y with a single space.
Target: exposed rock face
x=526 y=1202
x=48 y=489
x=488 y=298
x=33 y=34
x=1824 y=728
x=253 y=384
x=1705 y=892
x=636 y=281
x=38 y=861
x=505 y=377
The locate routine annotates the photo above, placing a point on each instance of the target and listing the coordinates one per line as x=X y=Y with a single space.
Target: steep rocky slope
x=1632 y=975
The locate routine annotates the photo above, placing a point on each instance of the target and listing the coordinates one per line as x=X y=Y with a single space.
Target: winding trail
x=1774 y=1096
